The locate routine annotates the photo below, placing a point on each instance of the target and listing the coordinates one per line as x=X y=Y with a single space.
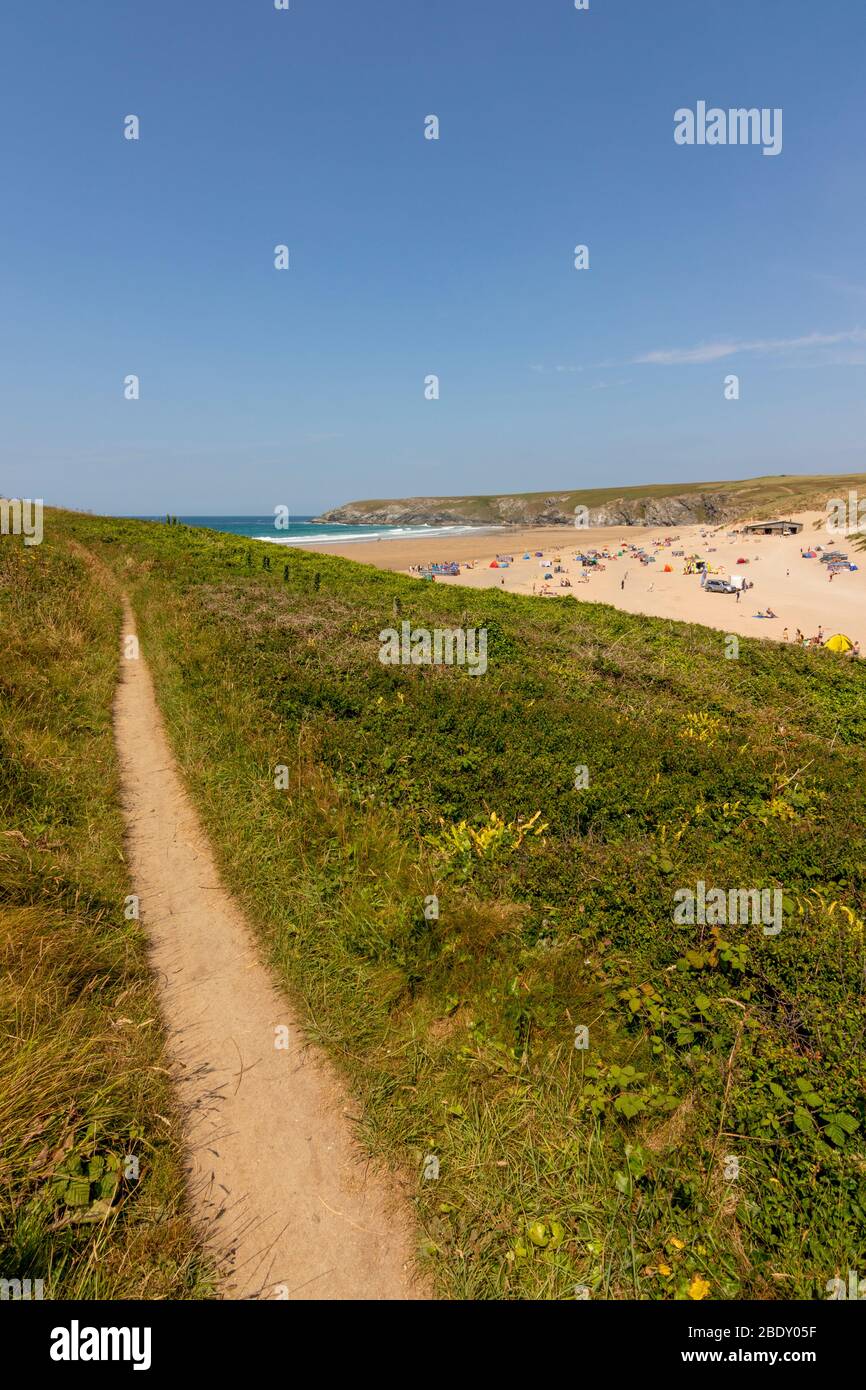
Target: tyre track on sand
x=277 y=1182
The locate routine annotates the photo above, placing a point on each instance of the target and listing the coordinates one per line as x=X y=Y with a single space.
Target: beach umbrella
x=839 y=643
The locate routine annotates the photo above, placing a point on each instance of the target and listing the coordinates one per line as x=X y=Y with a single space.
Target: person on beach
x=784 y=634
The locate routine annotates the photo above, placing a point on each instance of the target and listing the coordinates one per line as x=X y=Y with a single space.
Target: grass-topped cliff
x=654 y=504
x=710 y=1139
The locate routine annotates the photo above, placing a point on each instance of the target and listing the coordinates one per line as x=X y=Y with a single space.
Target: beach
x=797 y=590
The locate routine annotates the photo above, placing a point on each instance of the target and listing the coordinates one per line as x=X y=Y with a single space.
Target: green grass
x=557 y=1166
x=84 y=1100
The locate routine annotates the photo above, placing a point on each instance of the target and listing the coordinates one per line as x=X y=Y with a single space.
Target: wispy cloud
x=714 y=352
x=559 y=368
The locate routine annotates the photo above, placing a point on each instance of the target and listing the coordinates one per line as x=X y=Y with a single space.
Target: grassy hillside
x=710 y=1140
x=749 y=498
x=84 y=1102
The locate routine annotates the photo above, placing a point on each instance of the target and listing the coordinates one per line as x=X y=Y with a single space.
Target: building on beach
x=773 y=528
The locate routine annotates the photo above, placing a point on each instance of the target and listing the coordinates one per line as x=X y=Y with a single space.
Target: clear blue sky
x=411 y=256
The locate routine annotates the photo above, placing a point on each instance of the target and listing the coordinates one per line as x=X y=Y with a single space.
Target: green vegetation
x=84 y=1100
x=610 y=1167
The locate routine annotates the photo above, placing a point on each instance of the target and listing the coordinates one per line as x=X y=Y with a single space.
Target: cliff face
x=555 y=510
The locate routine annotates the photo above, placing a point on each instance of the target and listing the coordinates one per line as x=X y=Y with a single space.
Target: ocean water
x=302 y=528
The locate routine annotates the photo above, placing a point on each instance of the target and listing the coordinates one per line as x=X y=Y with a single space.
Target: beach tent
x=527 y=556
x=668 y=569
x=839 y=643
x=494 y=564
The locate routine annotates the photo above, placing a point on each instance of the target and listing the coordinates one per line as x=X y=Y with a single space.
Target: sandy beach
x=797 y=590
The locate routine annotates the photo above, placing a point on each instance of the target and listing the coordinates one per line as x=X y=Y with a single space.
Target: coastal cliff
x=662 y=505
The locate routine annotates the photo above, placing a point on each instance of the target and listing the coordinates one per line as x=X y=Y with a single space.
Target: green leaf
x=836 y=1134
x=629 y=1105
x=803 y=1121
x=107 y=1187
x=77 y=1192
x=846 y=1122
x=557 y=1235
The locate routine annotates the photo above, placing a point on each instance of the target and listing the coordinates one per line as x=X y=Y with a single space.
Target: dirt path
x=276 y=1179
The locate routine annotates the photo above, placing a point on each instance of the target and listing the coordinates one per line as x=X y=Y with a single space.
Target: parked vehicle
x=719 y=586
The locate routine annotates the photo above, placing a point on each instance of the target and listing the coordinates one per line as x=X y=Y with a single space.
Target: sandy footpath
x=281 y=1190
x=796 y=589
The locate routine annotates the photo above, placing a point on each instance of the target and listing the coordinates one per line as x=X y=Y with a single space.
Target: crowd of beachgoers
x=639 y=571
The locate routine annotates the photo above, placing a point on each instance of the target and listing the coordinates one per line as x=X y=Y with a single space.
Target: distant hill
x=655 y=504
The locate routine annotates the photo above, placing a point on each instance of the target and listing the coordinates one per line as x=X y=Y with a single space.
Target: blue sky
x=411 y=257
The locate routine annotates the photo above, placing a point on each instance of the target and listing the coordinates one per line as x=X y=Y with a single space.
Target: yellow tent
x=839 y=643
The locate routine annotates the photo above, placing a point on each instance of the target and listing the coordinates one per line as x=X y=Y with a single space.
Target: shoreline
x=797 y=590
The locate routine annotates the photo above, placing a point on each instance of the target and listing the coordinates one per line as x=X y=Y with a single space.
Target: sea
x=303 y=528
